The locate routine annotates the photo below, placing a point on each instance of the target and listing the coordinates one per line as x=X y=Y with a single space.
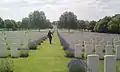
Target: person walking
x=50 y=36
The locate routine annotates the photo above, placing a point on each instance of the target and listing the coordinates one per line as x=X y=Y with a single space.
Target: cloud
x=84 y=9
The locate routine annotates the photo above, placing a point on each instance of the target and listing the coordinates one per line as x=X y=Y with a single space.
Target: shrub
x=69 y=53
x=39 y=41
x=6 y=65
x=83 y=56
x=7 y=45
x=83 y=50
x=23 y=52
x=103 y=50
x=93 y=50
x=33 y=45
x=114 y=51
x=77 y=68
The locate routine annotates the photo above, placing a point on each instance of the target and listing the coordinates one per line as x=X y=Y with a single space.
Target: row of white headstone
x=14 y=44
x=109 y=63
x=102 y=41
x=98 y=50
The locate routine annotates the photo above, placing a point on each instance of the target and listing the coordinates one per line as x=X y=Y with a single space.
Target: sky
x=84 y=9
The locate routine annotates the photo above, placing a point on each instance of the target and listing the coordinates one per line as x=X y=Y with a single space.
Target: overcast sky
x=84 y=9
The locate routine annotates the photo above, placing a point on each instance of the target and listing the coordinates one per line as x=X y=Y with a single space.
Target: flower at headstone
x=69 y=52
x=93 y=50
x=83 y=56
x=77 y=66
x=114 y=51
x=83 y=50
x=103 y=50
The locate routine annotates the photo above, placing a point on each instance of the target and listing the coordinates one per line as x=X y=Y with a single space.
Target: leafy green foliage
x=24 y=52
x=6 y=65
x=91 y=25
x=114 y=24
x=69 y=53
x=1 y=23
x=108 y=24
x=77 y=68
x=93 y=50
x=35 y=20
x=68 y=20
x=103 y=50
x=102 y=25
x=38 y=20
x=25 y=22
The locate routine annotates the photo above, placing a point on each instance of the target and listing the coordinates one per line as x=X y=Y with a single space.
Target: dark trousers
x=50 y=40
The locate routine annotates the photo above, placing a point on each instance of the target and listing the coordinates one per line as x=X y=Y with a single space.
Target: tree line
x=35 y=20
x=67 y=20
x=108 y=24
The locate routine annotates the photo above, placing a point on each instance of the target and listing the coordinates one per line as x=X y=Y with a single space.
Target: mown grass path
x=48 y=58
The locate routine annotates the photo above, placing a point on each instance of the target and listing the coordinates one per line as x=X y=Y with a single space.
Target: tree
x=8 y=24
x=81 y=24
x=15 y=26
x=31 y=21
x=114 y=24
x=91 y=25
x=25 y=23
x=38 y=20
x=102 y=25
x=47 y=24
x=68 y=20
x=19 y=23
x=1 y=23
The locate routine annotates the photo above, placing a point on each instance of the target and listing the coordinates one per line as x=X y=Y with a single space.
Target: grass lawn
x=101 y=65
x=48 y=58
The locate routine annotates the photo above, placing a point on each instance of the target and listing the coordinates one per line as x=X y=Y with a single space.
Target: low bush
x=83 y=56
x=33 y=45
x=77 y=68
x=114 y=51
x=93 y=50
x=23 y=52
x=103 y=50
x=83 y=50
x=6 y=65
x=39 y=41
x=69 y=53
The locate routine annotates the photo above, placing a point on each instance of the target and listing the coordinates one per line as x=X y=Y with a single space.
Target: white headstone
x=88 y=49
x=78 y=50
x=109 y=50
x=117 y=43
x=103 y=42
x=93 y=63
x=25 y=41
x=88 y=42
x=14 y=51
x=3 y=49
x=118 y=51
x=97 y=48
x=93 y=43
x=109 y=63
x=109 y=43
